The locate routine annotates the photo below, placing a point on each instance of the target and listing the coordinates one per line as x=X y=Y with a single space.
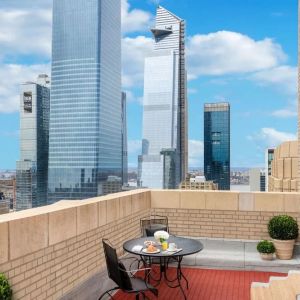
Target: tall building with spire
x=85 y=142
x=165 y=106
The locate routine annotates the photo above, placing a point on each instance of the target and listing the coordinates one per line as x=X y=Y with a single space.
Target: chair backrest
x=153 y=219
x=115 y=269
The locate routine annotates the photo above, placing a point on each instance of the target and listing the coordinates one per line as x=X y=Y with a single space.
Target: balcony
x=55 y=252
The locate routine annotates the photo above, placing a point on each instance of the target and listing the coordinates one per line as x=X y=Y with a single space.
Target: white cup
x=172 y=246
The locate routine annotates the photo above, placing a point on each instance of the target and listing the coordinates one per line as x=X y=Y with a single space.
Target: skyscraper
x=257 y=180
x=124 y=141
x=269 y=156
x=32 y=168
x=165 y=104
x=217 y=144
x=85 y=145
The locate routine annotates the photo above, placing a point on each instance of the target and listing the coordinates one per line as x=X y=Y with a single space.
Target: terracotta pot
x=267 y=256
x=284 y=249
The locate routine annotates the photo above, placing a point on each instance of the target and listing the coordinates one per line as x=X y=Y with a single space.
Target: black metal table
x=189 y=246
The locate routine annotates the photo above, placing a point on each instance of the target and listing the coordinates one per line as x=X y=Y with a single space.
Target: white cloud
x=285 y=113
x=226 y=52
x=134 y=20
x=28 y=32
x=134 y=51
x=25 y=32
x=270 y=137
x=28 y=3
x=219 y=53
x=196 y=152
x=281 y=77
x=132 y=98
x=10 y=78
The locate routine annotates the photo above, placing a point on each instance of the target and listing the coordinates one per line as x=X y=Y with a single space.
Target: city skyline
x=261 y=84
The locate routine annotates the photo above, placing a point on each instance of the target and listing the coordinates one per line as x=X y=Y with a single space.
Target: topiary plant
x=283 y=227
x=5 y=290
x=265 y=247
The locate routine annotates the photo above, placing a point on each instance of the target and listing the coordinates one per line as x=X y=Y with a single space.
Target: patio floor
x=207 y=284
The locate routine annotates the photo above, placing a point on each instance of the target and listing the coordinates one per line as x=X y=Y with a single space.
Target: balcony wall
x=46 y=252
x=222 y=214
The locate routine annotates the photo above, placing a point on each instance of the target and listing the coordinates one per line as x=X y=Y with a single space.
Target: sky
x=243 y=52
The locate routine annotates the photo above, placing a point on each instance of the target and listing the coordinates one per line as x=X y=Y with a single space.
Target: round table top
x=189 y=246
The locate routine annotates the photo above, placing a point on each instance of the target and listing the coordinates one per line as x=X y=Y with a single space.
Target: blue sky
x=244 y=52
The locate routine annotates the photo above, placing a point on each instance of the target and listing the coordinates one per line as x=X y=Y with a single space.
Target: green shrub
x=265 y=247
x=283 y=227
x=5 y=290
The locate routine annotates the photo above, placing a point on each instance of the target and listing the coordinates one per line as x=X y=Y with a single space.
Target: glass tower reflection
x=85 y=143
x=217 y=144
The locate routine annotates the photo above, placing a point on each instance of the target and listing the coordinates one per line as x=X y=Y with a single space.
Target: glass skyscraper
x=32 y=168
x=217 y=144
x=165 y=105
x=124 y=141
x=85 y=145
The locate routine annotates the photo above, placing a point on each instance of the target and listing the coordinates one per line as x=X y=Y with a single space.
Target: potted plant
x=283 y=230
x=266 y=250
x=5 y=290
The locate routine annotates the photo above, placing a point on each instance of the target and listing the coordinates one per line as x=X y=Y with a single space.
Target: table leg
x=178 y=278
x=163 y=267
x=181 y=273
x=148 y=264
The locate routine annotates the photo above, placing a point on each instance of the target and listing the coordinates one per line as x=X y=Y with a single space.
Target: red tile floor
x=205 y=284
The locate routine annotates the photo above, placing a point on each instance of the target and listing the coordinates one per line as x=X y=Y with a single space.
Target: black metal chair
x=153 y=223
x=124 y=279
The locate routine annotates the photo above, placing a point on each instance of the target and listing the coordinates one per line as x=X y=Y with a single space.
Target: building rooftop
x=55 y=252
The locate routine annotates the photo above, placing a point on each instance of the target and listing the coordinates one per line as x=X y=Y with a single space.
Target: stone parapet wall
x=46 y=252
x=217 y=214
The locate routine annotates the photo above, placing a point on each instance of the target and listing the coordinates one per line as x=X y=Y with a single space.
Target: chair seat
x=152 y=228
x=139 y=285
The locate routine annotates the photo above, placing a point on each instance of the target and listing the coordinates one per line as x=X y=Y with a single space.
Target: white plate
x=172 y=250
x=145 y=251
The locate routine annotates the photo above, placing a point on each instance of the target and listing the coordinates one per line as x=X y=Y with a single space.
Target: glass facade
x=85 y=145
x=217 y=144
x=164 y=107
x=262 y=182
x=32 y=169
x=268 y=165
x=169 y=171
x=124 y=141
